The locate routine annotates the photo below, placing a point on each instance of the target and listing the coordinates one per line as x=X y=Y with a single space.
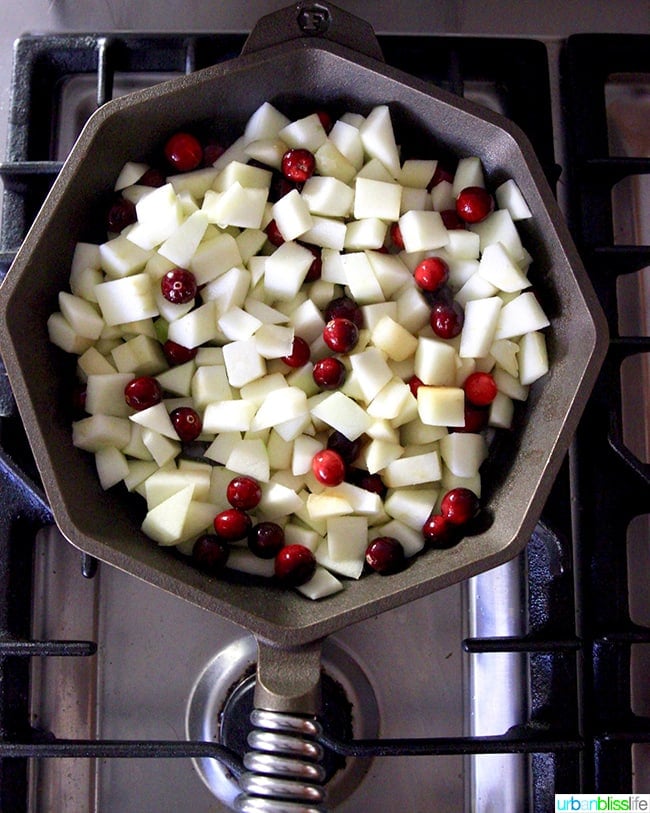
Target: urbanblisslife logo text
x=634 y=803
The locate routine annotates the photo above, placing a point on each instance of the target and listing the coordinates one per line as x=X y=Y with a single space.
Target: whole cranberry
x=212 y=151
x=184 y=152
x=178 y=286
x=441 y=173
x=298 y=164
x=266 y=539
x=329 y=373
x=178 y=354
x=431 y=273
x=300 y=353
x=347 y=449
x=474 y=204
x=340 y=335
x=121 y=214
x=210 y=553
x=244 y=492
x=451 y=220
x=438 y=532
x=343 y=307
x=232 y=524
x=414 y=385
x=447 y=319
x=480 y=389
x=385 y=555
x=294 y=565
x=367 y=481
x=273 y=233
x=143 y=392
x=153 y=178
x=325 y=120
x=328 y=467
x=281 y=186
x=476 y=419
x=459 y=506
x=316 y=268
x=395 y=234
x=187 y=423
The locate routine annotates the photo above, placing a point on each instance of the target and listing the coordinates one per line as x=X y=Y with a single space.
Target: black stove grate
x=613 y=484
x=554 y=734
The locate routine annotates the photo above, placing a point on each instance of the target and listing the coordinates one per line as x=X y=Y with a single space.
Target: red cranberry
x=265 y=539
x=480 y=389
x=340 y=335
x=474 y=204
x=300 y=353
x=347 y=449
x=316 y=268
x=476 y=419
x=395 y=234
x=178 y=354
x=298 y=164
x=438 y=532
x=184 y=152
x=294 y=565
x=414 y=385
x=232 y=524
x=274 y=234
x=344 y=308
x=210 y=553
x=459 y=506
x=187 y=423
x=325 y=120
x=329 y=373
x=447 y=319
x=178 y=286
x=79 y=393
x=328 y=467
x=281 y=186
x=244 y=492
x=441 y=174
x=431 y=273
x=152 y=177
x=143 y=392
x=451 y=220
x=211 y=152
x=367 y=481
x=120 y=215
x=385 y=554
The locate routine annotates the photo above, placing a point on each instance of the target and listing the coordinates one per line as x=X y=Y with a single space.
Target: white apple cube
x=480 y=327
x=347 y=538
x=378 y=138
x=368 y=233
x=469 y=172
x=413 y=470
x=267 y=151
x=371 y=370
x=376 y=199
x=159 y=214
x=195 y=183
x=292 y=216
x=497 y=267
x=343 y=414
x=412 y=506
x=347 y=140
x=164 y=523
x=413 y=198
x=327 y=505
x=163 y=449
x=214 y=257
x=139 y=471
x=99 y=431
x=360 y=278
x=258 y=390
x=379 y=453
x=307 y=133
x=157 y=418
x=170 y=480
x=249 y=242
x=505 y=353
x=510 y=385
x=435 y=362
x=330 y=162
x=390 y=271
x=228 y=291
x=510 y=197
x=322 y=584
x=81 y=315
x=246 y=175
x=417 y=172
x=181 y=245
x=413 y=311
x=278 y=501
x=351 y=568
x=286 y=270
x=476 y=287
x=523 y=314
x=130 y=173
x=220 y=448
x=237 y=206
x=243 y=363
x=83 y=281
x=443 y=197
x=140 y=355
x=228 y=416
x=210 y=383
x=279 y=406
x=236 y=324
x=411 y=539
x=105 y=394
x=120 y=257
x=265 y=122
x=463 y=452
x=249 y=456
x=61 y=333
x=327 y=196
x=111 y=465
x=502 y=411
x=463 y=244
x=274 y=341
x=196 y=327
x=333 y=270
x=304 y=449
x=389 y=336
x=92 y=362
x=533 y=357
x=499 y=227
x=423 y=230
x=126 y=300
x=390 y=400
x=375 y=171
x=441 y=406
x=307 y=321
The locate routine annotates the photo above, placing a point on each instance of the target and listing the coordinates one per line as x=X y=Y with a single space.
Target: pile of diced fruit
x=296 y=348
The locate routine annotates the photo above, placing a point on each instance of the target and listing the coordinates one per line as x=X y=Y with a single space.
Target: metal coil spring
x=284 y=774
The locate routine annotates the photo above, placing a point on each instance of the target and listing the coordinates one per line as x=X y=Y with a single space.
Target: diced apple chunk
x=533 y=357
x=441 y=406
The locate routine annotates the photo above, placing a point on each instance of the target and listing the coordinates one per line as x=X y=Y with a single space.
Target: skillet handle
x=314 y=19
x=288 y=680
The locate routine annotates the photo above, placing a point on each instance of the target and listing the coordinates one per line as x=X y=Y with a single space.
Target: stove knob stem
x=284 y=772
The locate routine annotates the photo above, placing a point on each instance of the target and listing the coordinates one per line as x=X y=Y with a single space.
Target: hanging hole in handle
x=314 y=19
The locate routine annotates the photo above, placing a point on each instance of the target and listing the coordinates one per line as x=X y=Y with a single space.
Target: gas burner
x=221 y=702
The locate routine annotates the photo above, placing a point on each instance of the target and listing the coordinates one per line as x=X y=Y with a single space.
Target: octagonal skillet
x=303 y=57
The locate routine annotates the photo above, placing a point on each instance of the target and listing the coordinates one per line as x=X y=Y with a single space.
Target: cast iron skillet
x=302 y=57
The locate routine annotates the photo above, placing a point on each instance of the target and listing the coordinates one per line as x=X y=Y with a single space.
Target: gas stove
x=494 y=694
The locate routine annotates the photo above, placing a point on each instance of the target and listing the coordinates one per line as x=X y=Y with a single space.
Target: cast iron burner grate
x=562 y=709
